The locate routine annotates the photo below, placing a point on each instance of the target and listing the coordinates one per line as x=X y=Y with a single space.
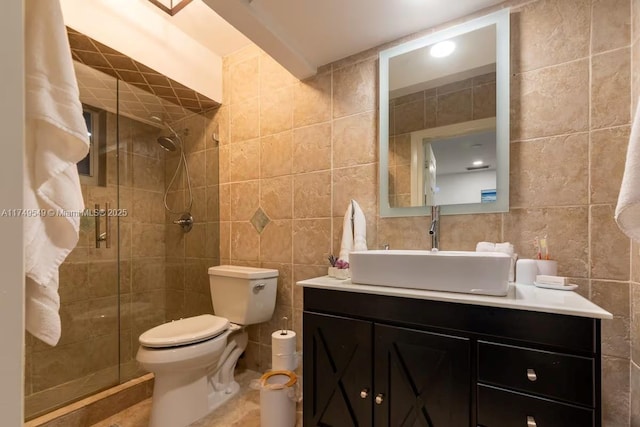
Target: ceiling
x=201 y=23
x=305 y=34
x=454 y=155
x=417 y=70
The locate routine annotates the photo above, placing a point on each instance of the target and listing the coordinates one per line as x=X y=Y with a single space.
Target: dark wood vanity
x=377 y=360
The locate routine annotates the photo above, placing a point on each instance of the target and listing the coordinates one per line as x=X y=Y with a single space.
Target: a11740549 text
x=30 y=213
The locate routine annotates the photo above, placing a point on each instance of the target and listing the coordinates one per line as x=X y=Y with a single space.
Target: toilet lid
x=185 y=331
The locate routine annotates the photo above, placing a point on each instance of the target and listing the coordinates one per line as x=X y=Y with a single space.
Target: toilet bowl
x=193 y=359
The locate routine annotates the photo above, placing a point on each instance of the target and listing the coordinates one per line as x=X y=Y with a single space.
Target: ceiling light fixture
x=442 y=49
x=170 y=6
x=478 y=163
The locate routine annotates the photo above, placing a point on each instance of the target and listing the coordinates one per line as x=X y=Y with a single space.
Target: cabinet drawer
x=555 y=375
x=501 y=408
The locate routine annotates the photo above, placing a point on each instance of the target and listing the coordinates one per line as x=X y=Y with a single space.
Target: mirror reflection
x=444 y=120
x=442 y=126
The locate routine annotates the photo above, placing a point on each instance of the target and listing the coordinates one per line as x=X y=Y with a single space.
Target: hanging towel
x=628 y=209
x=354 y=231
x=55 y=140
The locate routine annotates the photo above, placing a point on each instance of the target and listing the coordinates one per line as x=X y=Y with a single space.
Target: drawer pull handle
x=364 y=393
x=379 y=399
x=531 y=374
x=531 y=422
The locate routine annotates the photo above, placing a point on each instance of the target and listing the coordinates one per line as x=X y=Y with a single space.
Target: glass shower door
x=86 y=358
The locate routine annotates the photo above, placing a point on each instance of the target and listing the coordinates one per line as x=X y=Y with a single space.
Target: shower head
x=167 y=143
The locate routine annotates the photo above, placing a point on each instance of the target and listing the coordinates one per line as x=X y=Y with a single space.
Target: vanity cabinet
x=420 y=377
x=374 y=360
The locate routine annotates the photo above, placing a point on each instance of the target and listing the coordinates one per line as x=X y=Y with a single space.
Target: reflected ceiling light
x=170 y=6
x=478 y=163
x=442 y=49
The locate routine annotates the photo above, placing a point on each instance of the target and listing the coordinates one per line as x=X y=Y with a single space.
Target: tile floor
x=243 y=410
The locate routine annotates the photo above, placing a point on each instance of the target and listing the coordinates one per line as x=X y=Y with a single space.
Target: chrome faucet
x=434 y=229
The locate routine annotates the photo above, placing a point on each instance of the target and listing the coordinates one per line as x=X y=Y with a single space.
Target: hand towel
x=506 y=248
x=486 y=247
x=627 y=213
x=354 y=231
x=359 y=228
x=56 y=139
x=346 y=245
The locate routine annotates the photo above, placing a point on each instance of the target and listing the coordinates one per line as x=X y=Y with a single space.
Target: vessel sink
x=485 y=273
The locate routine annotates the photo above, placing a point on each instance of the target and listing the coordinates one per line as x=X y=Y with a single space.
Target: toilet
x=193 y=359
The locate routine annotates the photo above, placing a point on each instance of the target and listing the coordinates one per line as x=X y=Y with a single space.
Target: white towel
x=56 y=139
x=354 y=236
x=505 y=248
x=486 y=247
x=628 y=209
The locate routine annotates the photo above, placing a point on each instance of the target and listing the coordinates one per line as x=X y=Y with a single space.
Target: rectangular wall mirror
x=444 y=121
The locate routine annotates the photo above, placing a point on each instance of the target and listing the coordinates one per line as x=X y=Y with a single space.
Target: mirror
x=444 y=121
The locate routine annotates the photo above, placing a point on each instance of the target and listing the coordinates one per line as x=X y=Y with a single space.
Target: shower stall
x=135 y=266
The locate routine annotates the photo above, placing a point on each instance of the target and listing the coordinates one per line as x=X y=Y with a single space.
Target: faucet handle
x=385 y=246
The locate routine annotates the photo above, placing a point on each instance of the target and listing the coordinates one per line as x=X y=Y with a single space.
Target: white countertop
x=519 y=297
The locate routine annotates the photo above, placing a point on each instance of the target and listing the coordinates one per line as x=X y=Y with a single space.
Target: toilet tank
x=244 y=295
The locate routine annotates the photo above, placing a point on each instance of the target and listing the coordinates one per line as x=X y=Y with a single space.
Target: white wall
x=458 y=188
x=141 y=31
x=11 y=249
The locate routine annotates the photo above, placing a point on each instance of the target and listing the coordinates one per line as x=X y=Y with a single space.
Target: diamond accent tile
x=259 y=220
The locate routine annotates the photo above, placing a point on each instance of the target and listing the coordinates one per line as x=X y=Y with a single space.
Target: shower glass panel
x=153 y=271
x=86 y=358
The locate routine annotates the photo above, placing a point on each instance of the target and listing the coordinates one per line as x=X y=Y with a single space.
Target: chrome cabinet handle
x=531 y=422
x=379 y=399
x=364 y=393
x=531 y=374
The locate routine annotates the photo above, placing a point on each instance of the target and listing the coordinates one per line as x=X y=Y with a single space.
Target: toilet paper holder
x=285 y=326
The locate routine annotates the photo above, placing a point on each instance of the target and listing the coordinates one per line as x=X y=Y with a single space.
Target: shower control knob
x=185 y=221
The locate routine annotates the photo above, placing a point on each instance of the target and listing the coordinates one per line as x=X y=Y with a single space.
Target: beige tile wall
x=189 y=255
x=635 y=247
x=300 y=150
x=469 y=99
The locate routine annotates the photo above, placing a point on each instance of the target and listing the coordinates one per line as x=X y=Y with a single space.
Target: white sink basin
x=485 y=273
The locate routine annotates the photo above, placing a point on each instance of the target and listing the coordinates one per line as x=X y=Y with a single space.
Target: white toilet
x=193 y=359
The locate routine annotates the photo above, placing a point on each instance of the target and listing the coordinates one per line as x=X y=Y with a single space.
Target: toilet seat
x=184 y=331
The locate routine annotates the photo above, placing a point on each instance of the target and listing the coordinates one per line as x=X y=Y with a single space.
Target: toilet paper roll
x=283 y=350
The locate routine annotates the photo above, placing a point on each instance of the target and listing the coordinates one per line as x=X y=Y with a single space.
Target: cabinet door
x=337 y=370
x=421 y=378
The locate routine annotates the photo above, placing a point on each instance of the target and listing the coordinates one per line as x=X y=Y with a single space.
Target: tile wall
x=296 y=152
x=189 y=255
x=635 y=247
x=469 y=99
